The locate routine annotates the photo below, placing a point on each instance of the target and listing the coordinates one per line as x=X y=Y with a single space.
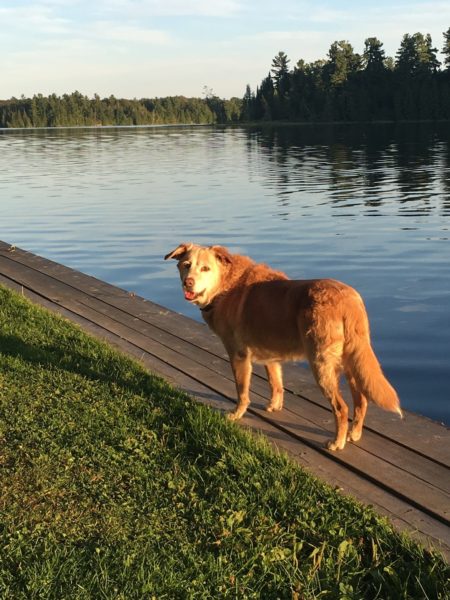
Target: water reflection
x=371 y=166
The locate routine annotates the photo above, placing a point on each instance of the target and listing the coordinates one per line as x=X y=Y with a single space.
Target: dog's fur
x=262 y=316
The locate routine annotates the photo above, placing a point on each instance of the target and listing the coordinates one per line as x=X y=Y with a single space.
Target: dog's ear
x=179 y=251
x=222 y=254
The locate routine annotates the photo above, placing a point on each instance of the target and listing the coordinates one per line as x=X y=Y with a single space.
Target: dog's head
x=201 y=270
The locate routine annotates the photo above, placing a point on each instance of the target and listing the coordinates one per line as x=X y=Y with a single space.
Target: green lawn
x=114 y=485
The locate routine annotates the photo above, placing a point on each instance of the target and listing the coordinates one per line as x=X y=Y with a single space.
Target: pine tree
x=416 y=55
x=446 y=49
x=280 y=67
x=248 y=102
x=342 y=62
x=406 y=58
x=428 y=62
x=374 y=56
x=280 y=72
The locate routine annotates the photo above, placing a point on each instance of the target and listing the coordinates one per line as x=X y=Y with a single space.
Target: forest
x=344 y=87
x=76 y=110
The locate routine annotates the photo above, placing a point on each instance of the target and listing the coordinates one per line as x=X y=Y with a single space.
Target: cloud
x=173 y=8
x=35 y=18
x=327 y=15
x=283 y=36
x=129 y=34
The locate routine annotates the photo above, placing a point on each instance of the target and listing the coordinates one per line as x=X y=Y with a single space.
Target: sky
x=156 y=48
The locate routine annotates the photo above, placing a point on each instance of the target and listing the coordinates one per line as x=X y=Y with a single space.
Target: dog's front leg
x=275 y=377
x=242 y=371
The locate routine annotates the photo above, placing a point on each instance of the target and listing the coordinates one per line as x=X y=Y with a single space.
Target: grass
x=115 y=485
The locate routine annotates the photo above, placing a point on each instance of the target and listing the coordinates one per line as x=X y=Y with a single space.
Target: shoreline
x=243 y=124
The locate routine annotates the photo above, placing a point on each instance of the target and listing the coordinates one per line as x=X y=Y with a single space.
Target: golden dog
x=262 y=316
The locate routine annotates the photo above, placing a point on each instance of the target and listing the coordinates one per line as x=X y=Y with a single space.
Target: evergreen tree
x=280 y=67
x=374 y=56
x=342 y=63
x=446 y=49
x=428 y=62
x=407 y=60
x=248 y=103
x=389 y=63
x=264 y=99
x=416 y=55
x=280 y=72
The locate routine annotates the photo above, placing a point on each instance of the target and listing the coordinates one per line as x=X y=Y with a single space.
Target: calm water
x=368 y=206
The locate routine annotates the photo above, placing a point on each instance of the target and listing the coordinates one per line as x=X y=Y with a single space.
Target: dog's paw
x=354 y=436
x=335 y=445
x=233 y=416
x=273 y=408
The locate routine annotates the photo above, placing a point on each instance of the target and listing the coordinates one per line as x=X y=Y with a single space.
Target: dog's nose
x=189 y=282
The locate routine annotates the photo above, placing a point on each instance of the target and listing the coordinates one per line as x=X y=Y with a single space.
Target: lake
x=367 y=205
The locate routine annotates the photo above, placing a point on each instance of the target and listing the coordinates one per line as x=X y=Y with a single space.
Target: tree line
x=76 y=109
x=346 y=86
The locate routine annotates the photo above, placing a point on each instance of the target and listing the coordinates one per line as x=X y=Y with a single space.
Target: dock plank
x=401 y=476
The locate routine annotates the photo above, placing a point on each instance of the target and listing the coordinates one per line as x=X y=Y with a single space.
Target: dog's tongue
x=189 y=295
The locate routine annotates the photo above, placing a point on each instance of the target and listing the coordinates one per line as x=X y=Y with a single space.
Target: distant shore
x=242 y=124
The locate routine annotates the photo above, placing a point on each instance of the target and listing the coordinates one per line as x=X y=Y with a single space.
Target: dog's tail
x=362 y=363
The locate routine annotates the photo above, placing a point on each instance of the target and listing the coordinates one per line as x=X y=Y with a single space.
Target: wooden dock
x=399 y=467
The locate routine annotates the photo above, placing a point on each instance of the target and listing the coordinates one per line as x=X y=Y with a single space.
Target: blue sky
x=148 y=48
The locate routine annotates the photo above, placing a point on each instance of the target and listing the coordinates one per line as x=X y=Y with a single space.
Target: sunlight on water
x=370 y=206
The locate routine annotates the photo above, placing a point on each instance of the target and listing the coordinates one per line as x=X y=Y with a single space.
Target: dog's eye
x=186 y=264
x=205 y=268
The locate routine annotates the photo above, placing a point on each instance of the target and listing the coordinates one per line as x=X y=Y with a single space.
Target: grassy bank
x=114 y=485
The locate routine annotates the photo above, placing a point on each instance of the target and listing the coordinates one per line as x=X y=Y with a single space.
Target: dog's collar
x=207 y=308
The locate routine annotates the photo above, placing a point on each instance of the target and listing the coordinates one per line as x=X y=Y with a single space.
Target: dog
x=263 y=316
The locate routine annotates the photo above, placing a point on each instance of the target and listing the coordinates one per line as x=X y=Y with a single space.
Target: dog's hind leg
x=359 y=409
x=242 y=371
x=275 y=376
x=326 y=369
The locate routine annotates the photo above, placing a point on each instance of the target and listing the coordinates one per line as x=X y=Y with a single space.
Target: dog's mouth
x=192 y=296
